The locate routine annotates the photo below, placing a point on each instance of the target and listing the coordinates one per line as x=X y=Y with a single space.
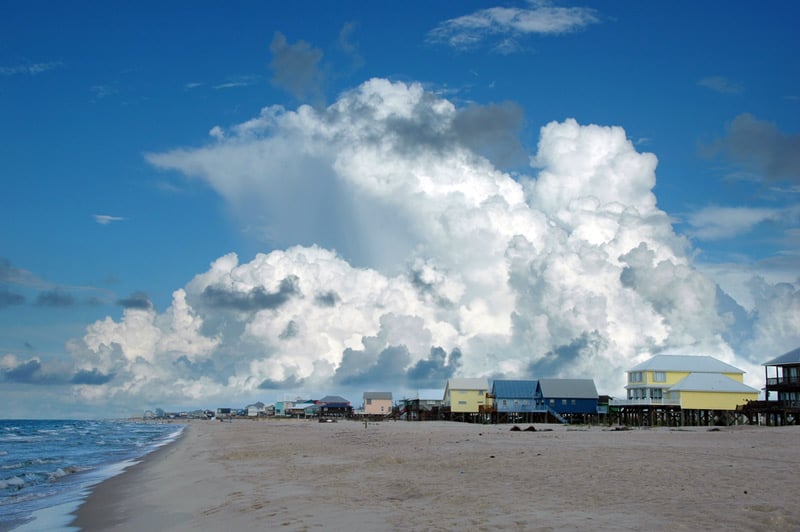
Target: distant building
x=255 y=410
x=334 y=405
x=466 y=396
x=683 y=390
x=513 y=396
x=688 y=381
x=377 y=403
x=303 y=409
x=782 y=392
x=567 y=397
x=423 y=405
x=782 y=375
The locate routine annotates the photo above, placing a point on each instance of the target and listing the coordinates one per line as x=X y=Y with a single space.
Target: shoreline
x=296 y=475
x=60 y=462
x=103 y=508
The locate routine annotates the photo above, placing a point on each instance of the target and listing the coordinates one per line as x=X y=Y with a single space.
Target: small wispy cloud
x=296 y=68
x=759 y=146
x=102 y=91
x=348 y=46
x=507 y=24
x=240 y=81
x=721 y=84
x=28 y=69
x=717 y=223
x=231 y=85
x=9 y=298
x=137 y=300
x=166 y=187
x=55 y=298
x=10 y=274
x=105 y=219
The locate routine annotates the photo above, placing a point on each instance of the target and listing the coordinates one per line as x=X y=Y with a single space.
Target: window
x=637 y=393
x=462 y=402
x=552 y=401
x=504 y=402
x=635 y=376
x=573 y=402
x=659 y=376
x=369 y=401
x=563 y=401
x=656 y=393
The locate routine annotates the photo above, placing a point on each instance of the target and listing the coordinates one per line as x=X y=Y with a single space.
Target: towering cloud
x=444 y=264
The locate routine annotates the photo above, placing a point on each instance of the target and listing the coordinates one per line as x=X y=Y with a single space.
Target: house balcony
x=644 y=402
x=782 y=384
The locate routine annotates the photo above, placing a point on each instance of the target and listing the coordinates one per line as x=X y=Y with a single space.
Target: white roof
x=298 y=406
x=710 y=382
x=468 y=384
x=689 y=363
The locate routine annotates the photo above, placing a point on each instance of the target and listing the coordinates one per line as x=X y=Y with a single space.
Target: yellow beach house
x=692 y=382
x=466 y=396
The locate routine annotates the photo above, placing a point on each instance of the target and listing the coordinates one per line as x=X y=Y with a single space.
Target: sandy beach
x=303 y=475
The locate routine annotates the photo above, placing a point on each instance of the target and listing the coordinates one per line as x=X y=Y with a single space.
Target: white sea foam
x=82 y=454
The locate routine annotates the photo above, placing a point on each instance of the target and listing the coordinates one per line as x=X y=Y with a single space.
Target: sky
x=210 y=204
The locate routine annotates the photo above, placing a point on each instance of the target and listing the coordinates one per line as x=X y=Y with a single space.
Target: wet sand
x=304 y=475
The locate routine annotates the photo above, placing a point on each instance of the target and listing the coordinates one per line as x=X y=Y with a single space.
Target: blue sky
x=346 y=153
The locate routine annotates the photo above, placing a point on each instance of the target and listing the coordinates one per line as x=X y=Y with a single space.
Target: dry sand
x=303 y=475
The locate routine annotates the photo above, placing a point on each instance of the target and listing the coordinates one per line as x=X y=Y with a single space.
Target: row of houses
x=666 y=389
x=375 y=404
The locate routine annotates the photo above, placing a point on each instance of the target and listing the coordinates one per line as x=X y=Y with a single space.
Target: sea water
x=48 y=467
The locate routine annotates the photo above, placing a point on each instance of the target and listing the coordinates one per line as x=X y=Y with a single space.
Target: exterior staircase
x=558 y=416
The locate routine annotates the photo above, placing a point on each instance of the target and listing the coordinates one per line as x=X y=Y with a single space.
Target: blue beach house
x=514 y=396
x=566 y=398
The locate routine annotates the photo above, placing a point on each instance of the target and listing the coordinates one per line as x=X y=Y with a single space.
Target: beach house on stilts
x=465 y=399
x=512 y=401
x=682 y=390
x=782 y=392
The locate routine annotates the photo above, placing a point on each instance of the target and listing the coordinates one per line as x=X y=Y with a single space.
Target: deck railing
x=780 y=381
x=644 y=402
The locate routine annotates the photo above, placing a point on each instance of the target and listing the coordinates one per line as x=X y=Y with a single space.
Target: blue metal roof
x=792 y=357
x=507 y=389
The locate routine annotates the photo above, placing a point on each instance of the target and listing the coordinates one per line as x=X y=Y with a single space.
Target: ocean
x=48 y=467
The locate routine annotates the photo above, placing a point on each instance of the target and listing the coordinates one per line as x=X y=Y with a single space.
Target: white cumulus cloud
x=401 y=257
